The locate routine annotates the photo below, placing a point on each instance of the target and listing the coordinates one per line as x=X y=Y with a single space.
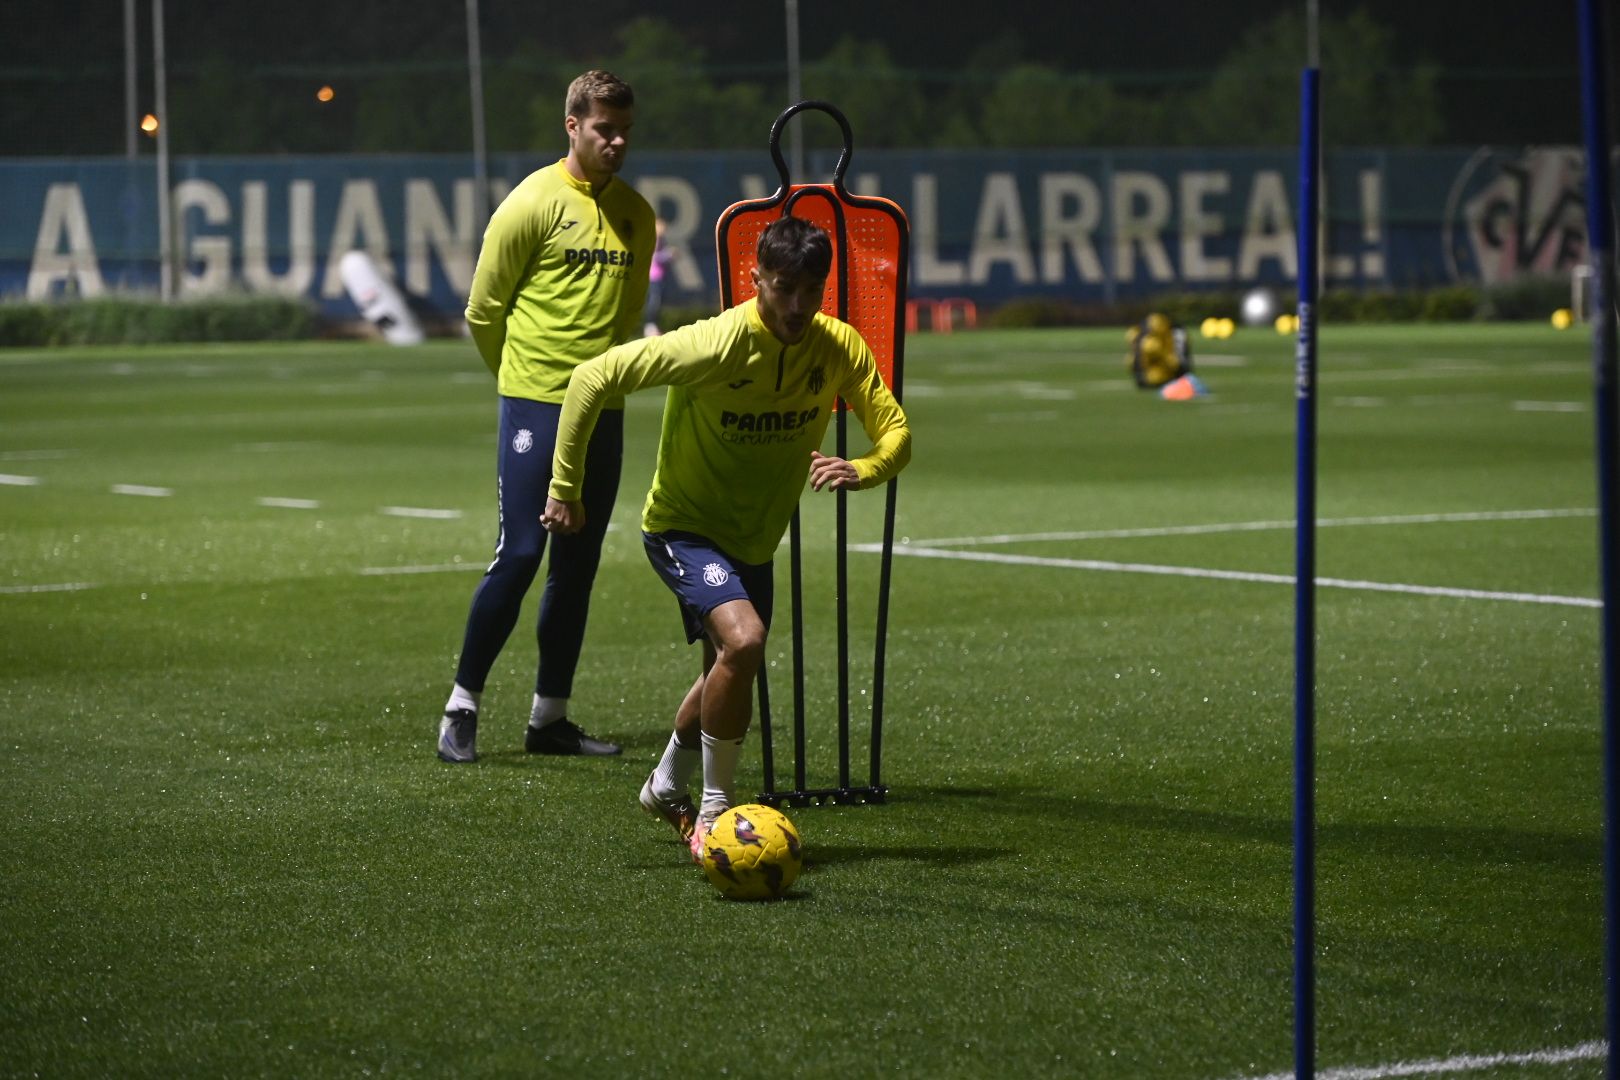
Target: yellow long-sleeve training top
x=742 y=415
x=562 y=276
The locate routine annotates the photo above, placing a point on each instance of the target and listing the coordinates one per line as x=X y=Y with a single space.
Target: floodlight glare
x=1259 y=307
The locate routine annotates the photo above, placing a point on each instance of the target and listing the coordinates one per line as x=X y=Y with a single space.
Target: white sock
x=719 y=774
x=547 y=709
x=675 y=768
x=462 y=698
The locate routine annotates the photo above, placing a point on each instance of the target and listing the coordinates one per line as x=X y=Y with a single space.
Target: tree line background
x=244 y=81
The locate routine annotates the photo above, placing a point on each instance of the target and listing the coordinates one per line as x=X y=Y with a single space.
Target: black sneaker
x=564 y=737
x=458 y=736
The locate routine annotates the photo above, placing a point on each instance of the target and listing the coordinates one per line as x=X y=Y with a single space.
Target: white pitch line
x=440 y=568
x=290 y=504
x=35 y=455
x=1247 y=526
x=142 y=489
x=1549 y=406
x=1461 y=1063
x=67 y=586
x=1441 y=370
x=275 y=447
x=8 y=480
x=1237 y=575
x=420 y=512
x=1042 y=392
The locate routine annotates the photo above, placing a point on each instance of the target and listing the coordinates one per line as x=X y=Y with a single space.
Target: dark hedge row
x=145 y=321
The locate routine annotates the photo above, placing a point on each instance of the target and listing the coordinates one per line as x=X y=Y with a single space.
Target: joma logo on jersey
x=602 y=256
x=787 y=420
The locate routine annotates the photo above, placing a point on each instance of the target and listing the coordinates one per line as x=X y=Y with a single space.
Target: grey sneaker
x=678 y=812
x=458 y=736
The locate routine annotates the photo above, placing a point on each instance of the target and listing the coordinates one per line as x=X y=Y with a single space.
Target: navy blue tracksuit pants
x=528 y=434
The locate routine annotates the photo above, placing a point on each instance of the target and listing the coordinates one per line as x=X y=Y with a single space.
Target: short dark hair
x=797 y=247
x=597 y=86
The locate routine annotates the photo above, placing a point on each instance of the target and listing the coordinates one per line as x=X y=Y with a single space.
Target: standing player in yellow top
x=562 y=276
x=750 y=394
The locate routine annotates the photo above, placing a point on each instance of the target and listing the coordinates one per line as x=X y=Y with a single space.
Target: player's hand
x=563 y=517
x=832 y=473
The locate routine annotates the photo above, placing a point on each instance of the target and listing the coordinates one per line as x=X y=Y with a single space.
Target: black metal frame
x=786 y=197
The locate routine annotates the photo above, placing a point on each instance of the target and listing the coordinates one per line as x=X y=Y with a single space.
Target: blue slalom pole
x=1600 y=248
x=1310 y=146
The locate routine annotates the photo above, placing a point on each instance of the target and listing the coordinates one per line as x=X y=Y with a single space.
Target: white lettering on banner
x=969 y=230
x=360 y=226
x=1198 y=225
x=63 y=212
x=1143 y=230
x=1368 y=265
x=677 y=202
x=1372 y=218
x=929 y=268
x=999 y=234
x=1268 y=228
x=256 y=273
x=427 y=229
x=213 y=252
x=1072 y=232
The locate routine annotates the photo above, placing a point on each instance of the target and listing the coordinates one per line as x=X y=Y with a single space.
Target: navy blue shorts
x=703 y=577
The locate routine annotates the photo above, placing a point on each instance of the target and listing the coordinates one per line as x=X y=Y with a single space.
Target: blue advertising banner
x=1084 y=226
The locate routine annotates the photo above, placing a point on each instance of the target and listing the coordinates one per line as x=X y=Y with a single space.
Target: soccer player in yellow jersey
x=750 y=394
x=562 y=275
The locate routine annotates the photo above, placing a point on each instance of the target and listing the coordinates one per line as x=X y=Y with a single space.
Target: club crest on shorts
x=523 y=441
x=715 y=574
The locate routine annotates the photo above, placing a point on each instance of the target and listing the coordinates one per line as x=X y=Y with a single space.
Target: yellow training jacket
x=562 y=276
x=742 y=415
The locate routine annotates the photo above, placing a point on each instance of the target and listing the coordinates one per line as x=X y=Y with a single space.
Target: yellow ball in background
x=1227 y=328
x=1563 y=318
x=1210 y=327
x=1287 y=324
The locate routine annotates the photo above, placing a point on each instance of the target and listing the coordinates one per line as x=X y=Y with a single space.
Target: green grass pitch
x=232 y=587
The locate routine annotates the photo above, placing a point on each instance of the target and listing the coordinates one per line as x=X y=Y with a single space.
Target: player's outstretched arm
x=687 y=355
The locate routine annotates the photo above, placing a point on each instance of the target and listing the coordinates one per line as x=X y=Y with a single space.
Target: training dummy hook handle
x=843 y=125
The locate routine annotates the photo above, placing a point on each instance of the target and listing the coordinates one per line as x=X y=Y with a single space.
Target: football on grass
x=752 y=853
